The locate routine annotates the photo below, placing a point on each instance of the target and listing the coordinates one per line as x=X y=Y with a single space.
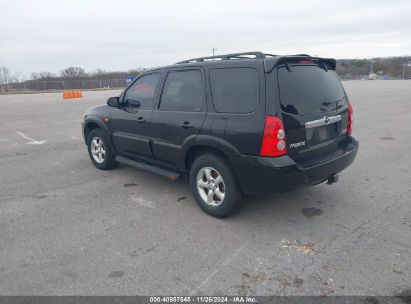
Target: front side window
x=182 y=91
x=143 y=90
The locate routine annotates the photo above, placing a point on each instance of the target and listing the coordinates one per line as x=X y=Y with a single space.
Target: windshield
x=309 y=89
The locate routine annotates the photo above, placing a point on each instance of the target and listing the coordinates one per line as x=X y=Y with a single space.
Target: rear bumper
x=264 y=175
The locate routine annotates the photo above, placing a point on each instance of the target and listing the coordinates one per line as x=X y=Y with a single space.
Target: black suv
x=246 y=123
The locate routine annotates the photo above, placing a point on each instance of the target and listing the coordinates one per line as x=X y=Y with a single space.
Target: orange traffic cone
x=72 y=94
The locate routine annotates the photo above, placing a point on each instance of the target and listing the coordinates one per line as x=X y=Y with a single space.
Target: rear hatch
x=314 y=109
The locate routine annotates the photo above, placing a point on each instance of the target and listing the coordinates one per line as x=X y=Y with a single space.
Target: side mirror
x=113 y=102
x=133 y=103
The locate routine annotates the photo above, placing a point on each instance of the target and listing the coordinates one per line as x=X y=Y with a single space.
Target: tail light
x=273 y=138
x=349 y=123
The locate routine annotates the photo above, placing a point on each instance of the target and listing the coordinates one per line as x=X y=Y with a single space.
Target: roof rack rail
x=246 y=55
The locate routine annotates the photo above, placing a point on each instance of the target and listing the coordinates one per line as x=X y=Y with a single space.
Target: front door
x=180 y=113
x=129 y=123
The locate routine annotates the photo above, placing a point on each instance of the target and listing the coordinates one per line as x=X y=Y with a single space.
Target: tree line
x=388 y=66
x=10 y=80
x=78 y=73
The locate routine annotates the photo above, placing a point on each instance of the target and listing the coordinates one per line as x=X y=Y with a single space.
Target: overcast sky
x=41 y=35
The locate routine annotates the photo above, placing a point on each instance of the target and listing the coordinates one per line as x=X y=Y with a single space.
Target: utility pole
x=214 y=49
x=372 y=64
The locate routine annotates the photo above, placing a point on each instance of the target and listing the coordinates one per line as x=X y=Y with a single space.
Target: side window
x=143 y=90
x=182 y=91
x=235 y=90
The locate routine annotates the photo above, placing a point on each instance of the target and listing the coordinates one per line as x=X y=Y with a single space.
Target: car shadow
x=299 y=205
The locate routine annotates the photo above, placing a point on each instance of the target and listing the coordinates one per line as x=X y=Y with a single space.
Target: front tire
x=214 y=186
x=99 y=150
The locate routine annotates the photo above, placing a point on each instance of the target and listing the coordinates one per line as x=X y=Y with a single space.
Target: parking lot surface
x=67 y=228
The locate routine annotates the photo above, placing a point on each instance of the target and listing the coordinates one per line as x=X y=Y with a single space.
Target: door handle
x=141 y=120
x=186 y=125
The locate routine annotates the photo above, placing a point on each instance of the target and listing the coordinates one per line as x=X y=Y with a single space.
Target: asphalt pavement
x=67 y=228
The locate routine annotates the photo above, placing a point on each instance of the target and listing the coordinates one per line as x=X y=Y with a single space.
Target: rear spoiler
x=271 y=62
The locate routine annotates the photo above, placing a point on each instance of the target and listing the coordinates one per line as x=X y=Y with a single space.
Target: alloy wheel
x=210 y=186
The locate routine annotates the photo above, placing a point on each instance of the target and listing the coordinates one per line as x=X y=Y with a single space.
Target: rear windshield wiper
x=323 y=65
x=287 y=66
x=340 y=102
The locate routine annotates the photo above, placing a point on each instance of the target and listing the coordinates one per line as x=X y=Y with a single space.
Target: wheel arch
x=195 y=151
x=204 y=144
x=91 y=124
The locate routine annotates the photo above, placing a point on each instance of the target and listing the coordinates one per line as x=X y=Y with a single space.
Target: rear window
x=309 y=89
x=235 y=90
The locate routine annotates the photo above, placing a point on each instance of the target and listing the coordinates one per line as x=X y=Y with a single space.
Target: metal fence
x=366 y=77
x=58 y=85
x=89 y=84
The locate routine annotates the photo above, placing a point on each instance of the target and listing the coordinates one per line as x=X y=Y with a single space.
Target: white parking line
x=31 y=140
x=213 y=274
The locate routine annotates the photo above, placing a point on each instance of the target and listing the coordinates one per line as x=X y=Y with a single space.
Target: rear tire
x=214 y=186
x=99 y=150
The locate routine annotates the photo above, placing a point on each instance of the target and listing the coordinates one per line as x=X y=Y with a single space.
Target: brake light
x=273 y=143
x=305 y=61
x=349 y=123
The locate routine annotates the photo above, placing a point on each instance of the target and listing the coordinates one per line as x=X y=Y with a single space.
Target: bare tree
x=73 y=73
x=98 y=74
x=34 y=76
x=16 y=77
x=5 y=74
x=46 y=76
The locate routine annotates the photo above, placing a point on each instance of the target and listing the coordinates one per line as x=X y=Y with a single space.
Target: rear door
x=179 y=114
x=314 y=108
